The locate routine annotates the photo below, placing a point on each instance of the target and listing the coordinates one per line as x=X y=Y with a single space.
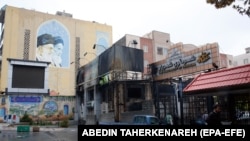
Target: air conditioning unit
x=90 y=104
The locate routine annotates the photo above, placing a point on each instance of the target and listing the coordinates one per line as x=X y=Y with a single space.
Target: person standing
x=214 y=116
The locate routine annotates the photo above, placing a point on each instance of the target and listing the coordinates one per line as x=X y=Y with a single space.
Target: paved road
x=67 y=134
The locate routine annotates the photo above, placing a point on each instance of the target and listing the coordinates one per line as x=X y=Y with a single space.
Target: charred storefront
x=112 y=87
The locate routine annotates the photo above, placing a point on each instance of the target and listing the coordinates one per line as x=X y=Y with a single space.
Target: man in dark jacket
x=214 y=117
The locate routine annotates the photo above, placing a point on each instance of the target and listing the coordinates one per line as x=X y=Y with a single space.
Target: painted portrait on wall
x=53 y=44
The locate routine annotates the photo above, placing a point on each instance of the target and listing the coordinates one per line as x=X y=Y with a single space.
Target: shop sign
x=185 y=62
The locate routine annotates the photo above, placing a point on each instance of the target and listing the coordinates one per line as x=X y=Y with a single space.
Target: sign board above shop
x=180 y=63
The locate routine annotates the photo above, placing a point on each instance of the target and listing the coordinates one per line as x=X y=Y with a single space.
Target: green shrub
x=64 y=123
x=26 y=118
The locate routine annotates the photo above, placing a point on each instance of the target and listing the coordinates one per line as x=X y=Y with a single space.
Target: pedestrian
x=169 y=119
x=214 y=116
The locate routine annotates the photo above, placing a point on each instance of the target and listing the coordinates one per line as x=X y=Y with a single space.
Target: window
x=145 y=63
x=165 y=51
x=134 y=92
x=145 y=48
x=159 y=50
x=223 y=62
x=245 y=61
x=230 y=62
x=3 y=101
x=235 y=63
x=91 y=95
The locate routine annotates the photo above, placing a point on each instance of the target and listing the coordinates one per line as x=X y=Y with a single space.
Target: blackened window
x=134 y=92
x=159 y=50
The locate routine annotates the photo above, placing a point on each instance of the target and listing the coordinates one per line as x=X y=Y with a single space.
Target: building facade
x=120 y=95
x=40 y=56
x=242 y=59
x=155 y=45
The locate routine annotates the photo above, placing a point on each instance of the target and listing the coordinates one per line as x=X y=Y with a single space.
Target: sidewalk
x=6 y=126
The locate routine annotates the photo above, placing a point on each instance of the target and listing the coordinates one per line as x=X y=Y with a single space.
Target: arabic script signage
x=25 y=99
x=180 y=63
x=185 y=62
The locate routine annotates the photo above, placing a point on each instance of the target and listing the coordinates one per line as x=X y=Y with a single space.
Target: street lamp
x=134 y=42
x=89 y=53
x=79 y=59
x=94 y=46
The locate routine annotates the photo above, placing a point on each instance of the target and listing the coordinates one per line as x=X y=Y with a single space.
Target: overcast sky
x=187 y=21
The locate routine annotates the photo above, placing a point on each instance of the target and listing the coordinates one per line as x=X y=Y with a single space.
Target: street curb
x=4 y=128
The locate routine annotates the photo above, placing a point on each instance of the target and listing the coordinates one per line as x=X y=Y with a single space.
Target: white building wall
x=242 y=59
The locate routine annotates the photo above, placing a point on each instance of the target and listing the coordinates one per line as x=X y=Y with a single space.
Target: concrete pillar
x=116 y=103
x=97 y=105
x=85 y=103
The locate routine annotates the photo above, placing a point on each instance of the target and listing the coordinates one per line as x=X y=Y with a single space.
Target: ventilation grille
x=26 y=44
x=77 y=54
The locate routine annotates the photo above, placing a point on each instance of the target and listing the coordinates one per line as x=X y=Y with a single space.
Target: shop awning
x=221 y=81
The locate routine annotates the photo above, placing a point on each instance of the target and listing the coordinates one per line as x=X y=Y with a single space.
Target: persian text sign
x=181 y=63
x=185 y=62
x=25 y=99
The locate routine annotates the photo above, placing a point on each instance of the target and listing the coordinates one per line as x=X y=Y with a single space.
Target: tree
x=243 y=9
